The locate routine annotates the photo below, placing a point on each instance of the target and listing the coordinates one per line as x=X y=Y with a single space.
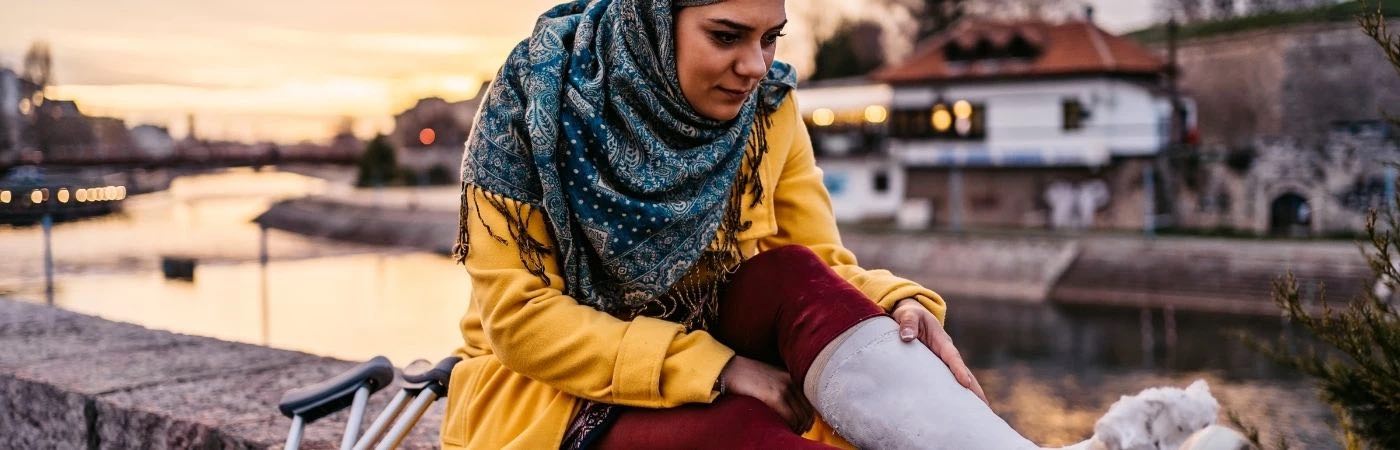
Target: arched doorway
x=1290 y=215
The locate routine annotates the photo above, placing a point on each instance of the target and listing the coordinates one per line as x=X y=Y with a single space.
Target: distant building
x=1190 y=11
x=152 y=142
x=10 y=116
x=1293 y=134
x=1026 y=124
x=428 y=138
x=111 y=139
x=17 y=106
x=846 y=119
x=62 y=132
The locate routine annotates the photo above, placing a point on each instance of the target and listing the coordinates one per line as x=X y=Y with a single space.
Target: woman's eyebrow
x=737 y=26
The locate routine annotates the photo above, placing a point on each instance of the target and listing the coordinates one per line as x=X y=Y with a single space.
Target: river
x=1050 y=371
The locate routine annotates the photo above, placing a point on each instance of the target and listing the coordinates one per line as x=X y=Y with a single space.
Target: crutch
x=422 y=388
x=352 y=387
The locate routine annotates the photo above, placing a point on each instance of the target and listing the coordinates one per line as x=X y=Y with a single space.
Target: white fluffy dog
x=1163 y=418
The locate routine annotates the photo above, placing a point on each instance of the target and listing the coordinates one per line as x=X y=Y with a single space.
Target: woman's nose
x=751 y=63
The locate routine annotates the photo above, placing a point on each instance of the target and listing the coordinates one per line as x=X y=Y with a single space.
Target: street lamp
x=876 y=114
x=941 y=119
x=962 y=109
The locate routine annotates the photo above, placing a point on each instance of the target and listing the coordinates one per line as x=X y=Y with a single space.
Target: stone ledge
x=73 y=381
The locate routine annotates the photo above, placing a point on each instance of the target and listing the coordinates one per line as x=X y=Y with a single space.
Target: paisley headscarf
x=587 y=123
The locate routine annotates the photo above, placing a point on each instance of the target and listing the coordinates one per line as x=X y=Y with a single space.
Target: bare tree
x=38 y=64
x=932 y=16
x=1023 y=9
x=1222 y=9
x=1182 y=10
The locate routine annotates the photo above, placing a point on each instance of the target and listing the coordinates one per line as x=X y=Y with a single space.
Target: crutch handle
x=324 y=398
x=436 y=378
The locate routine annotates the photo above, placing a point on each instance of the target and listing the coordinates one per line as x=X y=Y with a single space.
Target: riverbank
x=69 y=380
x=1214 y=275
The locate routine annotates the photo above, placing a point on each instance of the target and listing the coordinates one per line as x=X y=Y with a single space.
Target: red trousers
x=781 y=307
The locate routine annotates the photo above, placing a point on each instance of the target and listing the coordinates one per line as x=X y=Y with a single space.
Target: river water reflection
x=1050 y=371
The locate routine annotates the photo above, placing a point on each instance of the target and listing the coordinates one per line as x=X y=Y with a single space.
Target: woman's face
x=723 y=51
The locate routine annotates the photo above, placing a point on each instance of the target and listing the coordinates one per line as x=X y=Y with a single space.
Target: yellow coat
x=531 y=352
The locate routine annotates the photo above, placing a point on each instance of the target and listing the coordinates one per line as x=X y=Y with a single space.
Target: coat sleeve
x=539 y=332
x=802 y=209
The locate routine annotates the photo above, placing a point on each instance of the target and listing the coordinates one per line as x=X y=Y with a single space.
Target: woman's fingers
x=805 y=413
x=914 y=320
x=807 y=407
x=799 y=416
x=977 y=389
x=942 y=345
x=908 y=324
x=785 y=400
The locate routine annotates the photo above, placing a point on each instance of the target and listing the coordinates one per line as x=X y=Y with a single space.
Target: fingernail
x=906 y=333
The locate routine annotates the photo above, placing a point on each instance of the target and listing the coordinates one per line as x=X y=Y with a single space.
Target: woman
x=655 y=262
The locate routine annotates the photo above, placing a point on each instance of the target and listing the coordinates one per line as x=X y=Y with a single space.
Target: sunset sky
x=290 y=70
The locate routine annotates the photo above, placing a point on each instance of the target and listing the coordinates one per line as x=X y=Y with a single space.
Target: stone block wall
x=73 y=381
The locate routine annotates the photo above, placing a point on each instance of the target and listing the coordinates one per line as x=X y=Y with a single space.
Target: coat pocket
x=460 y=391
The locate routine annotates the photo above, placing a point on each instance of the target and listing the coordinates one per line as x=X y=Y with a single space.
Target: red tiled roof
x=1071 y=48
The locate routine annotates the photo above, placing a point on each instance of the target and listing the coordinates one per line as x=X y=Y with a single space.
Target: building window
x=1074 y=114
x=835 y=183
x=881 y=182
x=959 y=120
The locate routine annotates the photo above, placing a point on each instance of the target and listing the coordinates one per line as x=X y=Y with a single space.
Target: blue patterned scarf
x=586 y=122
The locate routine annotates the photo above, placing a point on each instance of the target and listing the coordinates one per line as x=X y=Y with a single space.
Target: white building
x=846 y=119
x=1028 y=124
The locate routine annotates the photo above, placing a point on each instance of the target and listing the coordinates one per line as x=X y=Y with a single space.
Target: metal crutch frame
x=354 y=387
x=423 y=388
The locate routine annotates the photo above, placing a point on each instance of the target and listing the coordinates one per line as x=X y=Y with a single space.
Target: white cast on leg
x=880 y=392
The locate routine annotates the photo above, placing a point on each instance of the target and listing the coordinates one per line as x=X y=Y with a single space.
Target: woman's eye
x=726 y=38
x=772 y=38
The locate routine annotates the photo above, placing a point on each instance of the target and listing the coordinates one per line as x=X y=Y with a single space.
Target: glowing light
x=823 y=117
x=63 y=195
x=876 y=114
x=962 y=109
x=941 y=119
x=81 y=195
x=4 y=196
x=36 y=197
x=963 y=126
x=427 y=136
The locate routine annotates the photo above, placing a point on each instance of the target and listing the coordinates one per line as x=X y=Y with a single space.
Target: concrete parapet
x=69 y=380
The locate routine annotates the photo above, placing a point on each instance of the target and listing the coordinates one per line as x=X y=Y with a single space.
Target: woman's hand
x=773 y=387
x=915 y=321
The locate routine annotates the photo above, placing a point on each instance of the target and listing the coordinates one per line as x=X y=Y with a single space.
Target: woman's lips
x=733 y=95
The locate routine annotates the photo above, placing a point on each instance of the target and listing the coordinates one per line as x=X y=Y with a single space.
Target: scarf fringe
x=517 y=215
